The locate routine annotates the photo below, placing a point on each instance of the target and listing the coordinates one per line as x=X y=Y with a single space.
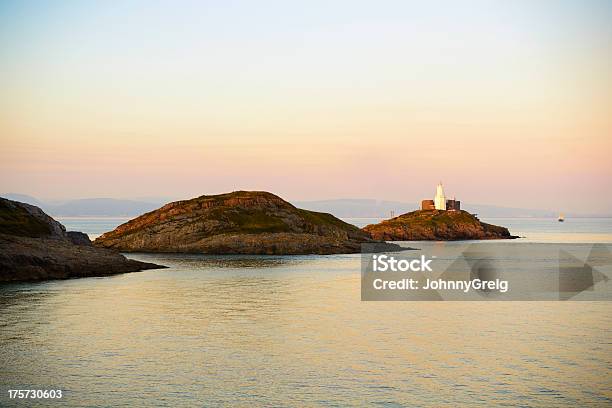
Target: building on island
x=440 y=202
x=453 y=205
x=428 y=205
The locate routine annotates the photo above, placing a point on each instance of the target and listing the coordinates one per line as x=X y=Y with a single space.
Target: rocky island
x=33 y=246
x=241 y=222
x=436 y=225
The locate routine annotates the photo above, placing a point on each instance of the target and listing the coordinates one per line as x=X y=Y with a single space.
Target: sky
x=506 y=103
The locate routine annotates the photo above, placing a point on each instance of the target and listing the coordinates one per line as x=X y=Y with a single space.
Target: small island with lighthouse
x=440 y=219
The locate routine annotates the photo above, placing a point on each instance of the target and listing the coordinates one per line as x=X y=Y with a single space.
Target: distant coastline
x=344 y=208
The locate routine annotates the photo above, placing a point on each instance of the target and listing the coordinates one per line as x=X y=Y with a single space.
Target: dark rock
x=26 y=220
x=79 y=238
x=29 y=259
x=33 y=246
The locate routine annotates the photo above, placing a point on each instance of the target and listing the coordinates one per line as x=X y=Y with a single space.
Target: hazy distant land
x=343 y=208
x=349 y=208
x=89 y=207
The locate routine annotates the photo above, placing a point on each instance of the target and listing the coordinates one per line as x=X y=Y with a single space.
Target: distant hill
x=88 y=207
x=492 y=211
x=357 y=208
x=344 y=208
x=366 y=208
x=22 y=198
x=100 y=207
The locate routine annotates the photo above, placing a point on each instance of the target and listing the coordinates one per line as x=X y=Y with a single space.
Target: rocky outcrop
x=242 y=222
x=436 y=225
x=78 y=238
x=33 y=246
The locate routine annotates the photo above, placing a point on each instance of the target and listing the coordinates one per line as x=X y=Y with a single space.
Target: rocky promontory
x=241 y=222
x=436 y=225
x=33 y=246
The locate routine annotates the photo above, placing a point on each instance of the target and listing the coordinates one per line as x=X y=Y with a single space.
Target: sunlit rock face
x=241 y=222
x=436 y=225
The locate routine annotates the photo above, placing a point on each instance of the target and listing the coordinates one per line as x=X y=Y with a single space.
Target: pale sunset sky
x=507 y=102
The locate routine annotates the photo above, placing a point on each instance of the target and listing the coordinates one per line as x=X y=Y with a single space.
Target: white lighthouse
x=440 y=199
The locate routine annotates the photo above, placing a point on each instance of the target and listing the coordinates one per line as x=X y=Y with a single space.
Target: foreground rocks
x=33 y=246
x=242 y=222
x=436 y=225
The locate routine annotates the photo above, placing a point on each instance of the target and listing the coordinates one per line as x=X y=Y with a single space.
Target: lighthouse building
x=440 y=199
x=440 y=202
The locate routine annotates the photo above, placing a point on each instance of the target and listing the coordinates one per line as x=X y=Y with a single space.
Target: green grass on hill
x=434 y=218
x=253 y=221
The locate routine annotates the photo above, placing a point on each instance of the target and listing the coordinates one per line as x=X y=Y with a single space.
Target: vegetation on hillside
x=434 y=218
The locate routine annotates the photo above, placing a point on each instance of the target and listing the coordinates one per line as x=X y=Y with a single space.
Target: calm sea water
x=292 y=331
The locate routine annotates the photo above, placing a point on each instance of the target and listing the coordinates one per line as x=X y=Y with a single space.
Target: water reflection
x=262 y=331
x=224 y=261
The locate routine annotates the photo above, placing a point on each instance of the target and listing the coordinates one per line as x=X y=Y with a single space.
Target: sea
x=292 y=331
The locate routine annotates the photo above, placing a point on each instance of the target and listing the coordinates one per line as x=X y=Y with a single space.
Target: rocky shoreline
x=33 y=247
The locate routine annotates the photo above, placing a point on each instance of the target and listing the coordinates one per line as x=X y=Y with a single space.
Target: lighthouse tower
x=440 y=199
